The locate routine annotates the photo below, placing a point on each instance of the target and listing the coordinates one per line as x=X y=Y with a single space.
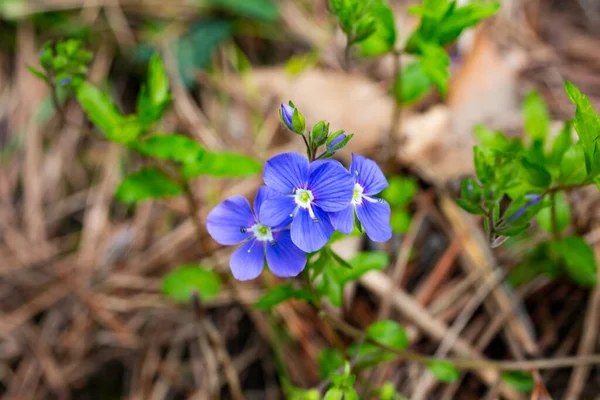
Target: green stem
x=553 y=222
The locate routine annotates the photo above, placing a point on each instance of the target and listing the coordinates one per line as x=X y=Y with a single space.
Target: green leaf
x=384 y=38
x=158 y=81
x=264 y=10
x=434 y=62
x=536 y=174
x=563 y=214
x=519 y=380
x=180 y=284
x=223 y=164
x=388 y=333
x=281 y=293
x=194 y=50
x=361 y=264
x=334 y=393
x=469 y=207
x=411 y=84
x=400 y=221
x=37 y=73
x=400 y=191
x=444 y=371
x=329 y=361
x=537 y=118
x=147 y=183
x=573 y=166
x=174 y=147
x=586 y=122
x=99 y=109
x=463 y=17
x=127 y=131
x=579 y=259
x=561 y=144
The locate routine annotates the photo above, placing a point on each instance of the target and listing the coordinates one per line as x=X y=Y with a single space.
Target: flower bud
x=318 y=134
x=292 y=118
x=533 y=200
x=337 y=141
x=287 y=113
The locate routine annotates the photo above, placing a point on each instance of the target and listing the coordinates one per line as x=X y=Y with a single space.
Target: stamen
x=372 y=200
x=295 y=211
x=243 y=229
x=311 y=213
x=273 y=242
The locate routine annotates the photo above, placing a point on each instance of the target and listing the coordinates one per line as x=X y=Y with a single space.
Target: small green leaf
x=536 y=174
x=180 y=284
x=573 y=166
x=400 y=221
x=579 y=259
x=435 y=62
x=280 y=294
x=463 y=17
x=519 y=380
x=362 y=263
x=383 y=39
x=400 y=191
x=37 y=73
x=469 y=207
x=334 y=393
x=147 y=183
x=223 y=164
x=100 y=109
x=174 y=147
x=586 y=122
x=329 y=361
x=388 y=333
x=411 y=84
x=127 y=131
x=444 y=371
x=537 y=118
x=158 y=81
x=563 y=215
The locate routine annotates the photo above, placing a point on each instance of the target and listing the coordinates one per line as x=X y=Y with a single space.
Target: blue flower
x=311 y=192
x=335 y=142
x=373 y=213
x=533 y=200
x=287 y=113
x=233 y=222
x=64 y=81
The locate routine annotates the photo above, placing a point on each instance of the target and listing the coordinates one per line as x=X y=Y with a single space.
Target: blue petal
x=375 y=219
x=287 y=112
x=264 y=193
x=225 y=221
x=286 y=172
x=284 y=258
x=369 y=175
x=331 y=184
x=248 y=261
x=276 y=211
x=308 y=235
x=343 y=221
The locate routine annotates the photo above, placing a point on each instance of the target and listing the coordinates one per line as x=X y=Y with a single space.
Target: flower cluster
x=303 y=203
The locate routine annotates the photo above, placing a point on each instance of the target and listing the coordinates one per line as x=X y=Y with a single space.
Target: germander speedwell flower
x=373 y=213
x=311 y=191
x=233 y=222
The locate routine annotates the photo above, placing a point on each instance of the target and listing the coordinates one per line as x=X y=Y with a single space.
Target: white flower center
x=303 y=197
x=262 y=233
x=358 y=194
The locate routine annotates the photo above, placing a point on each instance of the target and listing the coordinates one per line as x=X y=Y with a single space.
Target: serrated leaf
x=174 y=147
x=180 y=284
x=411 y=84
x=586 y=122
x=450 y=28
x=444 y=371
x=223 y=164
x=563 y=214
x=99 y=109
x=519 y=380
x=537 y=118
x=281 y=293
x=579 y=259
x=147 y=183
